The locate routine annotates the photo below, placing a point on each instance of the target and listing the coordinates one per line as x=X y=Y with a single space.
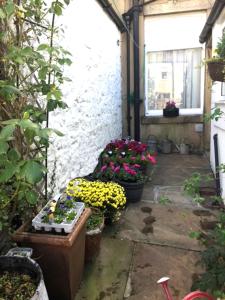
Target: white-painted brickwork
x=94 y=95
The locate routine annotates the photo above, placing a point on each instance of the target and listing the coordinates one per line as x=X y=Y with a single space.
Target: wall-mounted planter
x=216 y=70
x=61 y=257
x=171 y=113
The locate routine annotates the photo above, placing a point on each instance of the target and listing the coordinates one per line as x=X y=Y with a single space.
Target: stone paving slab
x=150 y=263
x=164 y=225
x=186 y=161
x=175 y=195
x=175 y=175
x=106 y=277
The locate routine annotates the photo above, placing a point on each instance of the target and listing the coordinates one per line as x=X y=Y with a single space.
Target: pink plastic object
x=198 y=294
x=164 y=283
x=194 y=295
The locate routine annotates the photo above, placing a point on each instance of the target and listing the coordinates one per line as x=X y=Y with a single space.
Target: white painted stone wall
x=218 y=100
x=94 y=96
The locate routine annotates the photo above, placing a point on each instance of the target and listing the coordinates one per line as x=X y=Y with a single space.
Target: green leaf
x=11 y=122
x=31 y=197
x=27 y=51
x=42 y=73
x=9 y=8
x=7 y=131
x=13 y=155
x=8 y=172
x=67 y=2
x=2 y=14
x=28 y=124
x=59 y=133
x=3 y=147
x=42 y=47
x=33 y=171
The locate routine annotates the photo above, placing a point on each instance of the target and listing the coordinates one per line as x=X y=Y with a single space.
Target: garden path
x=151 y=240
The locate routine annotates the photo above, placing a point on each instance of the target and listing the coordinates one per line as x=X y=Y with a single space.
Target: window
x=174 y=75
x=173 y=69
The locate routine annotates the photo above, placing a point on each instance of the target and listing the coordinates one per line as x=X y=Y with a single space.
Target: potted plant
x=109 y=197
x=125 y=161
x=216 y=65
x=171 y=110
x=95 y=225
x=21 y=277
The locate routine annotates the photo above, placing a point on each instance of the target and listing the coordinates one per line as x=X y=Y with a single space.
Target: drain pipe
x=127 y=20
x=136 y=10
x=216 y=152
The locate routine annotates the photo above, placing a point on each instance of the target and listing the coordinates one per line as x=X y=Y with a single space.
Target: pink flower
x=125 y=166
x=137 y=166
x=103 y=168
x=117 y=169
x=151 y=159
x=112 y=165
x=143 y=157
x=133 y=158
x=131 y=172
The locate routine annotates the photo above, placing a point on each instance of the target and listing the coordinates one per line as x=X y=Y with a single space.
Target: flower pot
x=216 y=70
x=93 y=241
x=171 y=113
x=17 y=260
x=133 y=190
x=61 y=257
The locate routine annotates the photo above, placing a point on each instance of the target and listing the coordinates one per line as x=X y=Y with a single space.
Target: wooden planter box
x=216 y=70
x=61 y=257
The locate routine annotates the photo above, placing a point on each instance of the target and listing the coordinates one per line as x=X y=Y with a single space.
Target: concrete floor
x=151 y=240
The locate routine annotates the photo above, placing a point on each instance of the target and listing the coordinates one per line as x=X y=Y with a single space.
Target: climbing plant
x=213 y=256
x=31 y=75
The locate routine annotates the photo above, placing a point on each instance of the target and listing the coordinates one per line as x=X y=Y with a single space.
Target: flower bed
x=109 y=197
x=124 y=160
x=59 y=214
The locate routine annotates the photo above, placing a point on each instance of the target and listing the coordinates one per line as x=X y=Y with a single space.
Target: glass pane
x=174 y=75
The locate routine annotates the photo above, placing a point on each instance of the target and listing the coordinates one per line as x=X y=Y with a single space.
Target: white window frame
x=182 y=111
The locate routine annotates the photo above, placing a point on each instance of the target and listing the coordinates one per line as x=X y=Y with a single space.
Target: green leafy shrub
x=31 y=74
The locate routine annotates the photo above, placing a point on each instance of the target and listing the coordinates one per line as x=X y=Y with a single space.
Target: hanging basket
x=216 y=70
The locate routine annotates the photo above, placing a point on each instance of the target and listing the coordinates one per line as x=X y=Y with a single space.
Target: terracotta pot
x=61 y=257
x=216 y=70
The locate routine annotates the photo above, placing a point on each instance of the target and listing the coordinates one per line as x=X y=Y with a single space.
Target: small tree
x=31 y=73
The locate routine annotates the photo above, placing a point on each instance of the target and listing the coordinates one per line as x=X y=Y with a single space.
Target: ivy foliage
x=31 y=76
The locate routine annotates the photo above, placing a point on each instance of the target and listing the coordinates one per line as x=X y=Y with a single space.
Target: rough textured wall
x=94 y=95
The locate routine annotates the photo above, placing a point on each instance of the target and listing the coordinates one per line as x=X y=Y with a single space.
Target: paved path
x=151 y=240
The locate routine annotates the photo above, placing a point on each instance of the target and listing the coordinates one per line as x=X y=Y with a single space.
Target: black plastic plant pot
x=133 y=190
x=171 y=113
